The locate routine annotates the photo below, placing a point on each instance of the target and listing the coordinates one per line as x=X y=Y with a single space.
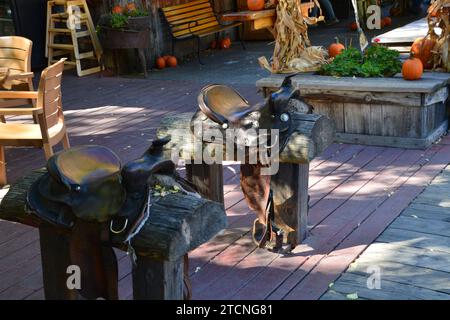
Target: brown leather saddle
x=88 y=192
x=228 y=108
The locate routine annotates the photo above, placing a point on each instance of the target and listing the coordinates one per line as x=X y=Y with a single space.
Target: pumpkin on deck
x=160 y=63
x=225 y=43
x=412 y=69
x=171 y=62
x=422 y=49
x=387 y=21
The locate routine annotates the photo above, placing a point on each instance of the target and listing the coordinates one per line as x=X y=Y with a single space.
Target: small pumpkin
x=255 y=5
x=117 y=9
x=387 y=21
x=335 y=48
x=171 y=62
x=160 y=63
x=412 y=69
x=226 y=43
x=353 y=26
x=213 y=44
x=422 y=49
x=131 y=6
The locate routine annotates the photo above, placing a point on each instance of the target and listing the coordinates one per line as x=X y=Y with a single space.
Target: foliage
x=136 y=13
x=378 y=61
x=118 y=21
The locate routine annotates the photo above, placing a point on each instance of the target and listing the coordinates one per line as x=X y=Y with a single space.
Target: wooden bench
x=195 y=19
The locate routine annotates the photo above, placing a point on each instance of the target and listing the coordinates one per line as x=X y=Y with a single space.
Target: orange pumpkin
x=213 y=44
x=353 y=26
x=172 y=62
x=226 y=43
x=255 y=5
x=422 y=49
x=117 y=9
x=160 y=63
x=412 y=69
x=387 y=21
x=165 y=58
x=131 y=6
x=335 y=49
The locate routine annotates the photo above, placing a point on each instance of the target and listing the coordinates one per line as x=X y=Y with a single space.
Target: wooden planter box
x=377 y=111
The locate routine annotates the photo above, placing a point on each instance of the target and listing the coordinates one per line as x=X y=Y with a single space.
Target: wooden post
x=158 y=279
x=208 y=179
x=55 y=260
x=290 y=196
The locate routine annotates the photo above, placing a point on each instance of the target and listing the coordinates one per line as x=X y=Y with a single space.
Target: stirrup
x=261 y=233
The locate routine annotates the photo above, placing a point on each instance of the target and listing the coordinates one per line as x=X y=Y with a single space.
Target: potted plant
x=126 y=27
x=125 y=17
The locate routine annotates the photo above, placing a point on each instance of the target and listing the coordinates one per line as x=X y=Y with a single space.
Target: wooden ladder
x=70 y=21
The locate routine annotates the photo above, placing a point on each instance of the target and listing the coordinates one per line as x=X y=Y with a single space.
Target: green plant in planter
x=136 y=13
x=118 y=21
x=377 y=61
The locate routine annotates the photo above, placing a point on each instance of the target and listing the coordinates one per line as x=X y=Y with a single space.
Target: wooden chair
x=50 y=129
x=15 y=54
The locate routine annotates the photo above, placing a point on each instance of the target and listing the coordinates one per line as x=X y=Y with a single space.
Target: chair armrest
x=20 y=111
x=18 y=94
x=20 y=76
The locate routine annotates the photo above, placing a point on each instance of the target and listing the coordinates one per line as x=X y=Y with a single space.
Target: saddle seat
x=223 y=104
x=89 y=183
x=80 y=166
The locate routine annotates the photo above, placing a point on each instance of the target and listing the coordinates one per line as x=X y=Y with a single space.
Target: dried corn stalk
x=438 y=17
x=293 y=51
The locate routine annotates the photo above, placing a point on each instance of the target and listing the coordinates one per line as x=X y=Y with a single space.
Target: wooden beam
x=262 y=23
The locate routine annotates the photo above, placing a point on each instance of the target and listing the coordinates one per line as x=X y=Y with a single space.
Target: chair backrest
x=49 y=94
x=15 y=54
x=181 y=17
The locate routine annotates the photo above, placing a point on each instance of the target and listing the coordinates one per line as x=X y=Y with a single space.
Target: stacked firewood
x=293 y=51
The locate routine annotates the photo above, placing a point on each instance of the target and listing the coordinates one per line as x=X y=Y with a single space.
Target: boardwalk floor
x=356 y=192
x=412 y=255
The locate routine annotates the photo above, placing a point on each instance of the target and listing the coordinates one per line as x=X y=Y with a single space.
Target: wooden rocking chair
x=50 y=129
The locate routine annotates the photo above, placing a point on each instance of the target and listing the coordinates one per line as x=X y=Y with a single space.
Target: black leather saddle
x=88 y=192
x=227 y=107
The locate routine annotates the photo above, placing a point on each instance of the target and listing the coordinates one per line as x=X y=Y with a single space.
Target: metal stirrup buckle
x=118 y=231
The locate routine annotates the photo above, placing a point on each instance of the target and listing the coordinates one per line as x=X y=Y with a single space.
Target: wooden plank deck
x=356 y=192
x=412 y=254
